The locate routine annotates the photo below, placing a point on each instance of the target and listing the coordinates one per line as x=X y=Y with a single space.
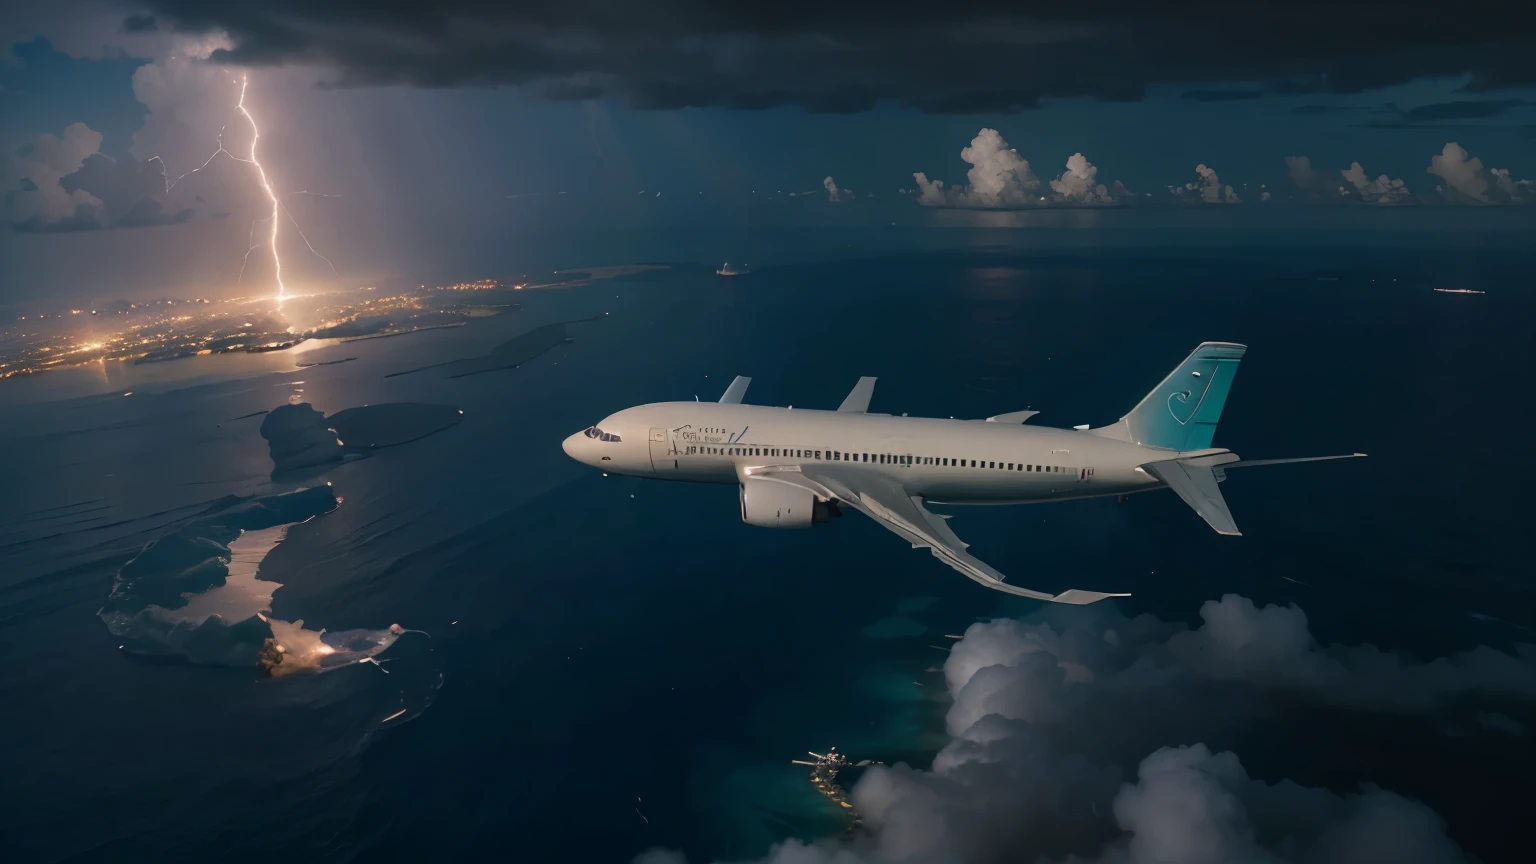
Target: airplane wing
x=885 y=501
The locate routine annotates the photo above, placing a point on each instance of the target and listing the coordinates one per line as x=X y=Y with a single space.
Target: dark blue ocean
x=617 y=664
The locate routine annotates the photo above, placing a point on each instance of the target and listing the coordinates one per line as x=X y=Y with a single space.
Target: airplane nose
x=571 y=446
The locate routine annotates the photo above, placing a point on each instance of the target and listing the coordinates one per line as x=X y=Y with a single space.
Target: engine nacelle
x=771 y=504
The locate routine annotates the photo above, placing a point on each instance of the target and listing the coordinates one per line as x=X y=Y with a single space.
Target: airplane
x=795 y=468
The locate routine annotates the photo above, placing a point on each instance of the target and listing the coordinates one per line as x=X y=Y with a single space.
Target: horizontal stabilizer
x=736 y=392
x=858 y=398
x=1250 y=463
x=1196 y=484
x=1013 y=417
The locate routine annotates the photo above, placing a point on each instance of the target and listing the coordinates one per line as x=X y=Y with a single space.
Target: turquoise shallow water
x=624 y=664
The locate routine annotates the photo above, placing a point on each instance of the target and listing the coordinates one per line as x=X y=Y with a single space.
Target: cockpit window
x=594 y=432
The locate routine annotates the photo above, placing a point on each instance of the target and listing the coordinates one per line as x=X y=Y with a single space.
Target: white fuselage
x=942 y=461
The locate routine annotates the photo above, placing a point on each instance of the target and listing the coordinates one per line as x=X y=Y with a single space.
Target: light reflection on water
x=223 y=620
x=242 y=595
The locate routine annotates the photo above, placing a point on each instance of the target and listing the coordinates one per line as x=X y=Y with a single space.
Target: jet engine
x=771 y=504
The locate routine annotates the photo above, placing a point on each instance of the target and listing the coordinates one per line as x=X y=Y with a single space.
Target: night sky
x=442 y=129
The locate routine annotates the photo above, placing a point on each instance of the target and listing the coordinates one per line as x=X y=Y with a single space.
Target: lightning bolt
x=261 y=173
x=171 y=184
x=278 y=208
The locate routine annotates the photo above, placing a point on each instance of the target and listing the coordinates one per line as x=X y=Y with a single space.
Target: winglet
x=858 y=398
x=1013 y=417
x=735 y=392
x=1071 y=596
x=1079 y=597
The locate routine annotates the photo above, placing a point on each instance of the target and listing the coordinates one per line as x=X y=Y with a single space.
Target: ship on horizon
x=727 y=270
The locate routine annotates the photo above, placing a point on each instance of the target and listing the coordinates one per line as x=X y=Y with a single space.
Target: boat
x=727 y=270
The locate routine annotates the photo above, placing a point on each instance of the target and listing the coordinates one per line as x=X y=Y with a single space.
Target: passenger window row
x=887 y=459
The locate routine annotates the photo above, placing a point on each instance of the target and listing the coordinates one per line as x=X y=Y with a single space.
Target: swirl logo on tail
x=1183 y=396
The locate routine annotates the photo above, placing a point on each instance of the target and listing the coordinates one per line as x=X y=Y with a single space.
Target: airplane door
x=663 y=454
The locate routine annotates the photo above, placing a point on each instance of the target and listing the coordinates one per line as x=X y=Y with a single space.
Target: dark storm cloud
x=1467 y=110
x=1317 y=110
x=1222 y=95
x=63 y=185
x=1436 y=115
x=140 y=23
x=83 y=220
x=988 y=55
x=105 y=179
x=132 y=193
x=1301 y=86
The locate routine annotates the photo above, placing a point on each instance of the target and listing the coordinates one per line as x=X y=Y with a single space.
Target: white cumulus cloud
x=1079 y=184
x=1352 y=184
x=999 y=177
x=39 y=201
x=1206 y=189
x=1382 y=190
x=1465 y=180
x=1514 y=190
x=1462 y=175
x=189 y=101
x=1301 y=172
x=1074 y=737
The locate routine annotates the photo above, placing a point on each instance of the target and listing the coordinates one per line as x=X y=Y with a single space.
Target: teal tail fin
x=1181 y=413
